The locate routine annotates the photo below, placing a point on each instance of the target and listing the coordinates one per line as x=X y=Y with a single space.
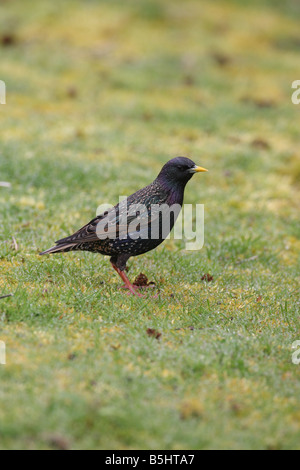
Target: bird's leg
x=126 y=281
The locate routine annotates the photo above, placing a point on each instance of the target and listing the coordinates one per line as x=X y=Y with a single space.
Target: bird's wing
x=122 y=221
x=111 y=221
x=86 y=233
x=130 y=217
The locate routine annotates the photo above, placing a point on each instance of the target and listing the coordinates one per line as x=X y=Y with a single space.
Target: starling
x=137 y=224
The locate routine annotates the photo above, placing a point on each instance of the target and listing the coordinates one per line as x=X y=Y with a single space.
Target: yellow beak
x=197 y=169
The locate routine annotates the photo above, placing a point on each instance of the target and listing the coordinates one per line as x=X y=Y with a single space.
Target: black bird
x=139 y=223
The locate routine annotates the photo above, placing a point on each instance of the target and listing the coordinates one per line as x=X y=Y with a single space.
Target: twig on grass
x=15 y=244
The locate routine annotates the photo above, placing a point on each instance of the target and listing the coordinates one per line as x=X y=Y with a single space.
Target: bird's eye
x=182 y=167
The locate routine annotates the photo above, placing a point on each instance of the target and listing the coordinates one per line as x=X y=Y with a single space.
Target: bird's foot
x=155 y=296
x=149 y=286
x=136 y=289
x=131 y=287
x=137 y=294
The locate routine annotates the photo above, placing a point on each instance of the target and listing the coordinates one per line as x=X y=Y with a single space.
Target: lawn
x=100 y=94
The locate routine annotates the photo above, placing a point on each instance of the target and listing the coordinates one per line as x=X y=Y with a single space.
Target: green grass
x=99 y=96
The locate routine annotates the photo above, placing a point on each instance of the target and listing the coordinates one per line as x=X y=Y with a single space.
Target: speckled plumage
x=167 y=188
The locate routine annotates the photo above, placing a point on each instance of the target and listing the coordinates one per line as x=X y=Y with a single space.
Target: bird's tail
x=60 y=248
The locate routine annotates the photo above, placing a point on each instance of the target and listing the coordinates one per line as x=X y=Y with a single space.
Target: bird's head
x=178 y=171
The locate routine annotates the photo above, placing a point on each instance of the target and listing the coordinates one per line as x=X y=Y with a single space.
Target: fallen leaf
x=152 y=332
x=260 y=144
x=142 y=281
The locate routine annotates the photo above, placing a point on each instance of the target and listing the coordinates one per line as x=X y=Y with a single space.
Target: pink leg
x=126 y=281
